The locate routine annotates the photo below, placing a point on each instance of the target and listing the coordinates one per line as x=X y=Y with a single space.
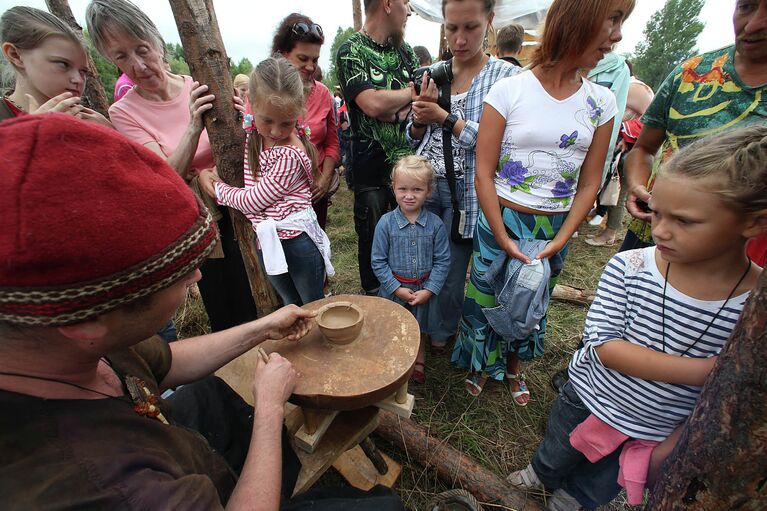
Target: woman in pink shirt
x=163 y=112
x=299 y=39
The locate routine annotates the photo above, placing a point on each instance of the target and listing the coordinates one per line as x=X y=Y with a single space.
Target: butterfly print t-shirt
x=545 y=140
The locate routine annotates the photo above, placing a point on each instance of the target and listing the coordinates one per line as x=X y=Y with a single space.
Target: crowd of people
x=469 y=164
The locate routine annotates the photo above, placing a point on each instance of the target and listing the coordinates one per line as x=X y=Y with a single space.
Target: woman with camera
x=464 y=80
x=541 y=148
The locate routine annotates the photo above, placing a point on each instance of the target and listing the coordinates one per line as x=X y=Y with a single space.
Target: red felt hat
x=90 y=221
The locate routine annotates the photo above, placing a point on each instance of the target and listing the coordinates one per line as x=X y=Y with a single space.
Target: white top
x=432 y=149
x=628 y=306
x=546 y=139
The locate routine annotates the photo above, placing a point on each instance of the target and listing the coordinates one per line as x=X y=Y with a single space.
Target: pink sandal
x=520 y=379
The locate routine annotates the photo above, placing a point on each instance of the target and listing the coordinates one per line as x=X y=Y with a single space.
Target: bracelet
x=418 y=125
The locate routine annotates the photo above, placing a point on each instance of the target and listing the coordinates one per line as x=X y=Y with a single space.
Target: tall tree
x=331 y=77
x=357 y=14
x=669 y=38
x=94 y=94
x=201 y=37
x=720 y=459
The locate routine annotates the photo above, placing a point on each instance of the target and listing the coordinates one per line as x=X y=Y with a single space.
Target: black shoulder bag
x=459 y=215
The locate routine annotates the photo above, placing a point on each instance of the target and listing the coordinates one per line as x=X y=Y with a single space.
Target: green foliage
x=108 y=72
x=331 y=78
x=669 y=39
x=174 y=53
x=245 y=67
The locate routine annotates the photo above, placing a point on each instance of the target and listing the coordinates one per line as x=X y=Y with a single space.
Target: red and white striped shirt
x=282 y=187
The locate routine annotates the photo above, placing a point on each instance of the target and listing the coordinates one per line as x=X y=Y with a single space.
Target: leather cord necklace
x=143 y=401
x=663 y=309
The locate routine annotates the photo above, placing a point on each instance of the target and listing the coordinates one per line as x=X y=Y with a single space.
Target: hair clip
x=305 y=128
x=248 y=124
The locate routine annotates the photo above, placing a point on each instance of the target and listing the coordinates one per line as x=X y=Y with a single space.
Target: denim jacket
x=410 y=250
x=521 y=290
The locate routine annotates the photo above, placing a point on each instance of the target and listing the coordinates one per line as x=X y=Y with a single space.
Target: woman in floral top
x=541 y=148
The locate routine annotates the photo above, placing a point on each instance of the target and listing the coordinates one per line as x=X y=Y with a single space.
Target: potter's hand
x=273 y=382
x=289 y=323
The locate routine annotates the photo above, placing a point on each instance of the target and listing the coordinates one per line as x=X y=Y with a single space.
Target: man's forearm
x=258 y=487
x=383 y=104
x=196 y=357
x=638 y=167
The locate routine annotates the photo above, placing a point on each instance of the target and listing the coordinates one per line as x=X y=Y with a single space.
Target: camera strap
x=459 y=216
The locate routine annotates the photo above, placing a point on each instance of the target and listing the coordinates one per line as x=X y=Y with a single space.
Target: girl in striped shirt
x=661 y=317
x=279 y=170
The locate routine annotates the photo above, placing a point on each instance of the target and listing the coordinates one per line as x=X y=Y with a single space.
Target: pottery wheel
x=347 y=377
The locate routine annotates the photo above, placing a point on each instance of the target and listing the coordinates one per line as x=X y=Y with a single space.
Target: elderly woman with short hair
x=163 y=112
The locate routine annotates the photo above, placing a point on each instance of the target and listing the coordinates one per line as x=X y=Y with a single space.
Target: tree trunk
x=357 y=13
x=457 y=470
x=442 y=42
x=94 y=96
x=205 y=53
x=720 y=461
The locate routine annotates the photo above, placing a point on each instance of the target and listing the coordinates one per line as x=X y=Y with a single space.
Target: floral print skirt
x=477 y=347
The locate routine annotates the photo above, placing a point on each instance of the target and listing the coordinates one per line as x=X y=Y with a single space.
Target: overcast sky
x=247 y=26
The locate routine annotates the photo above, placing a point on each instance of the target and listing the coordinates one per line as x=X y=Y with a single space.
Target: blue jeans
x=306 y=272
x=450 y=299
x=559 y=465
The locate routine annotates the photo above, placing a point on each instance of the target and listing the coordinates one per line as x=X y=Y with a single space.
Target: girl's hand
x=429 y=90
x=404 y=294
x=208 y=179
x=198 y=105
x=66 y=103
x=552 y=248
x=428 y=112
x=421 y=296
x=511 y=248
x=93 y=116
x=239 y=103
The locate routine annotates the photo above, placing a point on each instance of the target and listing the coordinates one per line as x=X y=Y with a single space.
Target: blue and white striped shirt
x=492 y=71
x=628 y=306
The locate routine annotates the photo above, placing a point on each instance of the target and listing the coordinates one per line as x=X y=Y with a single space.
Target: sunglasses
x=300 y=29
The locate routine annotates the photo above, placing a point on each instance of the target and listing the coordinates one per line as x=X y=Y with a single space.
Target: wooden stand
x=316 y=423
x=400 y=403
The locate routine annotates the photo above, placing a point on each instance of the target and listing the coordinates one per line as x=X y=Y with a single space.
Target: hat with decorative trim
x=89 y=222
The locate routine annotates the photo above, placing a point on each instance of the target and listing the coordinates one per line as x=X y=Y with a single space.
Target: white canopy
x=529 y=13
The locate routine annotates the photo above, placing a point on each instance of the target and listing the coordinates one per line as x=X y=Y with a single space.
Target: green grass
x=490 y=429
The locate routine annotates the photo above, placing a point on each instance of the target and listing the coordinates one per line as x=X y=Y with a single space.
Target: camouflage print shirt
x=364 y=64
x=703 y=96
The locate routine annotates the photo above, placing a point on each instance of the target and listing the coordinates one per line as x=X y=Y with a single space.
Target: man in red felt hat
x=86 y=278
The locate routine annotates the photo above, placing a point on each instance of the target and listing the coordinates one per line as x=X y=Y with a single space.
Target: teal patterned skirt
x=477 y=347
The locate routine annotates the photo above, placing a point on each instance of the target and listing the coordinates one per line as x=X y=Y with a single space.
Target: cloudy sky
x=247 y=26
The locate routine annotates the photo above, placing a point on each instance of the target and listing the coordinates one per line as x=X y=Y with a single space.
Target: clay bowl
x=340 y=322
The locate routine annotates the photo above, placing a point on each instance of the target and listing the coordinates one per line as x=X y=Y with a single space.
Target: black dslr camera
x=441 y=72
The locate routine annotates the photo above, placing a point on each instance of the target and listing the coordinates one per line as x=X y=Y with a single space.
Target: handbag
x=612 y=190
x=459 y=215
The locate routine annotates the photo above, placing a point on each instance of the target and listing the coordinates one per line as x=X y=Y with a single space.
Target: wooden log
x=452 y=466
x=720 y=461
x=357 y=14
x=208 y=63
x=94 y=95
x=573 y=295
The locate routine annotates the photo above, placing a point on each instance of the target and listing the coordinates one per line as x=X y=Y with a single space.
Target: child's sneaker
x=560 y=500
x=525 y=478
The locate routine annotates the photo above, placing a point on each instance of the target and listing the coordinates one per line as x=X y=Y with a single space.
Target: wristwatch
x=449 y=123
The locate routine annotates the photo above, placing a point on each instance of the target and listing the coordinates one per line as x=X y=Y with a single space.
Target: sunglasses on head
x=301 y=29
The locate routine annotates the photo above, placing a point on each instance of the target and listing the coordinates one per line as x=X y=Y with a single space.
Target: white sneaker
x=560 y=500
x=525 y=478
x=597 y=220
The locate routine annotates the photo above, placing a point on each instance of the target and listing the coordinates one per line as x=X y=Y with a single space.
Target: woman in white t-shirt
x=541 y=148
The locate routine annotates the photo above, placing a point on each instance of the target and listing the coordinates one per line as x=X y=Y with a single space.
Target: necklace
x=366 y=34
x=663 y=310
x=143 y=401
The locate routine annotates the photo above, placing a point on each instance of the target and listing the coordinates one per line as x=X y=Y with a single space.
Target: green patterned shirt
x=702 y=96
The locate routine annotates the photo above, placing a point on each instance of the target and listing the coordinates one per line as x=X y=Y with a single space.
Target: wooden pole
x=442 y=42
x=453 y=467
x=357 y=13
x=205 y=53
x=93 y=95
x=720 y=461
